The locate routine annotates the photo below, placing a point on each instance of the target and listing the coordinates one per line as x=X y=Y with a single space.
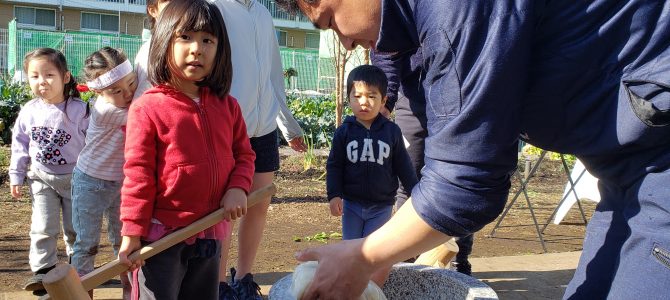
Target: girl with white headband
x=47 y=137
x=98 y=176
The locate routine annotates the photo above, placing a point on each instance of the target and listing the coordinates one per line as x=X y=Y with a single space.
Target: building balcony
x=284 y=19
x=129 y=6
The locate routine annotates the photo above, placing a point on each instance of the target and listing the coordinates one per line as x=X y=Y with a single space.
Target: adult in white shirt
x=258 y=85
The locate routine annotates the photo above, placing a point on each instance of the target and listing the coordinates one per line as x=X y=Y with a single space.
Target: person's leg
x=113 y=214
x=201 y=278
x=647 y=250
x=352 y=220
x=414 y=132
x=226 y=292
x=88 y=207
x=464 y=249
x=375 y=217
x=627 y=249
x=605 y=234
x=162 y=275
x=62 y=184
x=44 y=229
x=252 y=225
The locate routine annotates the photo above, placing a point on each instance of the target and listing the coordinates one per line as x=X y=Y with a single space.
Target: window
x=282 y=37
x=312 y=40
x=99 y=22
x=35 y=17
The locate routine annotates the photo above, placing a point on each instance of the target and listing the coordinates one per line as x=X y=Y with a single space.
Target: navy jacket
x=364 y=165
x=585 y=77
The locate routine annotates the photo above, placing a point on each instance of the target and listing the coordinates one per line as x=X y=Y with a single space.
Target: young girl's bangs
x=199 y=18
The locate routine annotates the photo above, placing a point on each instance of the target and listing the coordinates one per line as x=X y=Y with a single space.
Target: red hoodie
x=181 y=157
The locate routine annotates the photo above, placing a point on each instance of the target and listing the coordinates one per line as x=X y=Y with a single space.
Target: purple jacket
x=48 y=137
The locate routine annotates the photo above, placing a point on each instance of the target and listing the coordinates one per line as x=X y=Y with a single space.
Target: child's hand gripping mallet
x=62 y=282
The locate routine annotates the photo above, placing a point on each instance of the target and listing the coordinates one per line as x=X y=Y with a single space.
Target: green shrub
x=316 y=116
x=530 y=150
x=12 y=97
x=86 y=96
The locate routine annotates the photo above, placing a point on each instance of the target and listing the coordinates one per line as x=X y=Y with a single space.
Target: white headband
x=111 y=76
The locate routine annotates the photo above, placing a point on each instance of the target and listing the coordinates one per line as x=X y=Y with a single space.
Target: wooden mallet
x=439 y=256
x=63 y=283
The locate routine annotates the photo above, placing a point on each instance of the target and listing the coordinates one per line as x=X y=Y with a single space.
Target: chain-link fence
x=4 y=40
x=313 y=73
x=76 y=46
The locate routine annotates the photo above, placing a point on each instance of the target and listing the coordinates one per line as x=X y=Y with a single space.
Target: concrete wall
x=296 y=38
x=131 y=23
x=6 y=14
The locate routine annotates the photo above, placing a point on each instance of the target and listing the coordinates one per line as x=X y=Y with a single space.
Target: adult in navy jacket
x=583 y=77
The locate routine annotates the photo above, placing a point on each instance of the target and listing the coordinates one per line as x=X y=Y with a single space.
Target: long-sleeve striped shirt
x=102 y=157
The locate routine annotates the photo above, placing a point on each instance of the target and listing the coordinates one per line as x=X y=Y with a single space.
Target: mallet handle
x=115 y=267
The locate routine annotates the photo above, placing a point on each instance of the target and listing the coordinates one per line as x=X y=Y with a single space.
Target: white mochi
x=304 y=273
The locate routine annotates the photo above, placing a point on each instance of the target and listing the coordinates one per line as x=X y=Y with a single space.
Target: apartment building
x=129 y=17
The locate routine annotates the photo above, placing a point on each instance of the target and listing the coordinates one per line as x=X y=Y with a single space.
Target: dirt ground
x=299 y=214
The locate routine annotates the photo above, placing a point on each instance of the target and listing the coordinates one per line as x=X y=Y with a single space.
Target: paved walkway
x=542 y=276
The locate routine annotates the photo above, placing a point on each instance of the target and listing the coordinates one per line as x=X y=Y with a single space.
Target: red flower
x=82 y=88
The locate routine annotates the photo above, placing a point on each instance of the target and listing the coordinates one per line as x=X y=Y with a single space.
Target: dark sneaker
x=35 y=282
x=40 y=293
x=462 y=267
x=226 y=292
x=246 y=288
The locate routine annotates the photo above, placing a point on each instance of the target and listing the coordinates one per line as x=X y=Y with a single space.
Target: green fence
x=76 y=46
x=314 y=73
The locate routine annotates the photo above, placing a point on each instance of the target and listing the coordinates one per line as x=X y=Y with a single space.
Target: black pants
x=411 y=118
x=181 y=272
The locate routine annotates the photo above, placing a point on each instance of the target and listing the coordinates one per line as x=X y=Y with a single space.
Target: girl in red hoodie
x=187 y=153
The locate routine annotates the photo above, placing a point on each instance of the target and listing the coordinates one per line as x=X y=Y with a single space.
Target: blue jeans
x=359 y=221
x=91 y=199
x=627 y=245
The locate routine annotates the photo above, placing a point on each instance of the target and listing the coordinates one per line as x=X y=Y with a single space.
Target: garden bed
x=299 y=218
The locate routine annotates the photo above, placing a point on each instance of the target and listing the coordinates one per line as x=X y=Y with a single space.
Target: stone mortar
x=410 y=281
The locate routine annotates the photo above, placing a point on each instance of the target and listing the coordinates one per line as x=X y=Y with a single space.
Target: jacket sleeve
x=476 y=78
x=139 y=186
x=141 y=62
x=335 y=165
x=18 y=165
x=391 y=64
x=243 y=172
x=402 y=164
x=287 y=124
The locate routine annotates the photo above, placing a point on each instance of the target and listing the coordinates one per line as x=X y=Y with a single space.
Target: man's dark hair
x=291 y=6
x=196 y=15
x=370 y=75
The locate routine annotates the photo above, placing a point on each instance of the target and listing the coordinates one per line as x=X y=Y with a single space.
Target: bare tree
x=341 y=57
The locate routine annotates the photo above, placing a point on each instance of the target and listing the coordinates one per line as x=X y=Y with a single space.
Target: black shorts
x=267 y=152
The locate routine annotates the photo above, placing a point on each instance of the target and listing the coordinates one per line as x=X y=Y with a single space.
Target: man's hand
x=235 y=204
x=343 y=273
x=336 y=206
x=298 y=144
x=16 y=191
x=128 y=245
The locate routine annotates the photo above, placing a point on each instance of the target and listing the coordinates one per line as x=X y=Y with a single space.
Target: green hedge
x=316 y=116
x=12 y=96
